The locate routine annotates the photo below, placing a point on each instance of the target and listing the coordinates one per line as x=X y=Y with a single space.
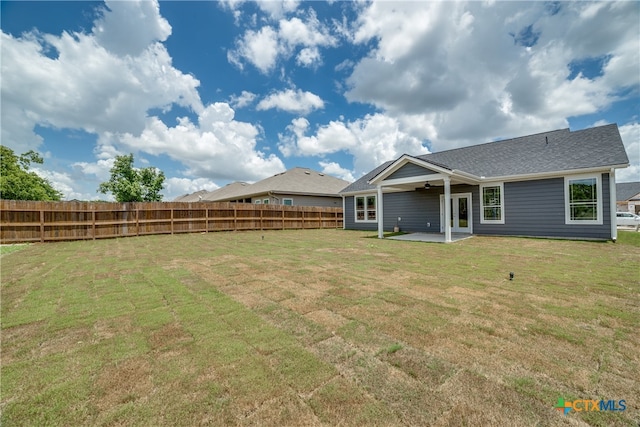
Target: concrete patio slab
x=430 y=237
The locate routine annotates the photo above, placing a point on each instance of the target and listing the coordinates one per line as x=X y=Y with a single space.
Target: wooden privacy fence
x=27 y=221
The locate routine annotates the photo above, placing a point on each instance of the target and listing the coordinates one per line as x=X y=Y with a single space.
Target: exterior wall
x=537 y=208
x=410 y=170
x=531 y=208
x=301 y=200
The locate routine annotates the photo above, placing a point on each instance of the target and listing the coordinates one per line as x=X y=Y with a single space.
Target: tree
x=129 y=184
x=18 y=183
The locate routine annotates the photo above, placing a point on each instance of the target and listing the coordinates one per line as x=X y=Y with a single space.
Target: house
x=553 y=184
x=294 y=187
x=628 y=196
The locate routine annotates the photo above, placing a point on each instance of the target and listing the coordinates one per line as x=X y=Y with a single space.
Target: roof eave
x=551 y=174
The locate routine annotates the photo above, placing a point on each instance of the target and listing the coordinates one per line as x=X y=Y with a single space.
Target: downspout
x=613 y=204
x=380 y=213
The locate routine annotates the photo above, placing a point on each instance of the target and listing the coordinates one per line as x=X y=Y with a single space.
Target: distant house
x=553 y=184
x=628 y=196
x=193 y=197
x=295 y=187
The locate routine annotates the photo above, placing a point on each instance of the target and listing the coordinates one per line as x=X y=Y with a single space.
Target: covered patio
x=408 y=172
x=431 y=237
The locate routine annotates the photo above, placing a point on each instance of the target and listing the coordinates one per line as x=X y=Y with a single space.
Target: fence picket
x=33 y=221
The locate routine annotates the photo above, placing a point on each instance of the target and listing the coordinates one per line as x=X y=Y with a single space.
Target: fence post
x=93 y=222
x=282 y=209
x=41 y=225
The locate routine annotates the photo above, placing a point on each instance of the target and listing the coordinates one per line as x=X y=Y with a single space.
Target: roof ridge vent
x=307 y=172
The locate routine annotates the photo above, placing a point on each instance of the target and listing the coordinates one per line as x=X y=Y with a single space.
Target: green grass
x=629 y=238
x=318 y=327
x=7 y=249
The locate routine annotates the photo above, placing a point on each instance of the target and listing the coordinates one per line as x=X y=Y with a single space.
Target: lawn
x=319 y=327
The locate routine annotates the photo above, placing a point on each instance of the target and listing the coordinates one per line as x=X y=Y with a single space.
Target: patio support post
x=447 y=209
x=379 y=213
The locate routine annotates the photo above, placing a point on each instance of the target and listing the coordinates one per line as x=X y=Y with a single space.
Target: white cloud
x=174 y=186
x=260 y=48
x=333 y=168
x=371 y=140
x=463 y=73
x=264 y=47
x=292 y=101
x=242 y=100
x=630 y=134
x=72 y=81
x=128 y=28
x=218 y=147
x=308 y=56
x=64 y=183
x=277 y=9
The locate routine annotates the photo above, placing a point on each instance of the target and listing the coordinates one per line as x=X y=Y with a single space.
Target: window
x=287 y=202
x=265 y=202
x=257 y=202
x=365 y=208
x=492 y=200
x=583 y=200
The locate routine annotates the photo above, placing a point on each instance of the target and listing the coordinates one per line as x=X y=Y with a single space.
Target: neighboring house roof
x=193 y=197
x=549 y=152
x=627 y=191
x=228 y=190
x=298 y=180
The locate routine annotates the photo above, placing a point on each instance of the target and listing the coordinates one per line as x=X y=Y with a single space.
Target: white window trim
x=257 y=202
x=567 y=210
x=265 y=201
x=284 y=201
x=492 y=221
x=355 y=208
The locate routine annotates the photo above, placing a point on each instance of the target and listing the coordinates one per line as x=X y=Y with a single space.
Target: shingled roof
x=298 y=180
x=627 y=190
x=229 y=190
x=549 y=152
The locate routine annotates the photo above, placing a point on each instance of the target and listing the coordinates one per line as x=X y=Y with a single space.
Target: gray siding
x=531 y=208
x=410 y=170
x=349 y=216
x=536 y=208
x=301 y=200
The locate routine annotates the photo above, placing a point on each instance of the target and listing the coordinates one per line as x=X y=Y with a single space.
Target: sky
x=216 y=92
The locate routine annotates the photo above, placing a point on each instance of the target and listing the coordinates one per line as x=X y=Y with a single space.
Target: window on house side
x=583 y=197
x=365 y=208
x=287 y=202
x=492 y=199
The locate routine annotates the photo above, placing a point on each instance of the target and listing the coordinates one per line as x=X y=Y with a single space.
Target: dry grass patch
x=318 y=327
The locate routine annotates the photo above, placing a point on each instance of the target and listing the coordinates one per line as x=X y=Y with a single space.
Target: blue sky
x=215 y=92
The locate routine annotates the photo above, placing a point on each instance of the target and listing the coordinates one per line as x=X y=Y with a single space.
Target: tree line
x=126 y=184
